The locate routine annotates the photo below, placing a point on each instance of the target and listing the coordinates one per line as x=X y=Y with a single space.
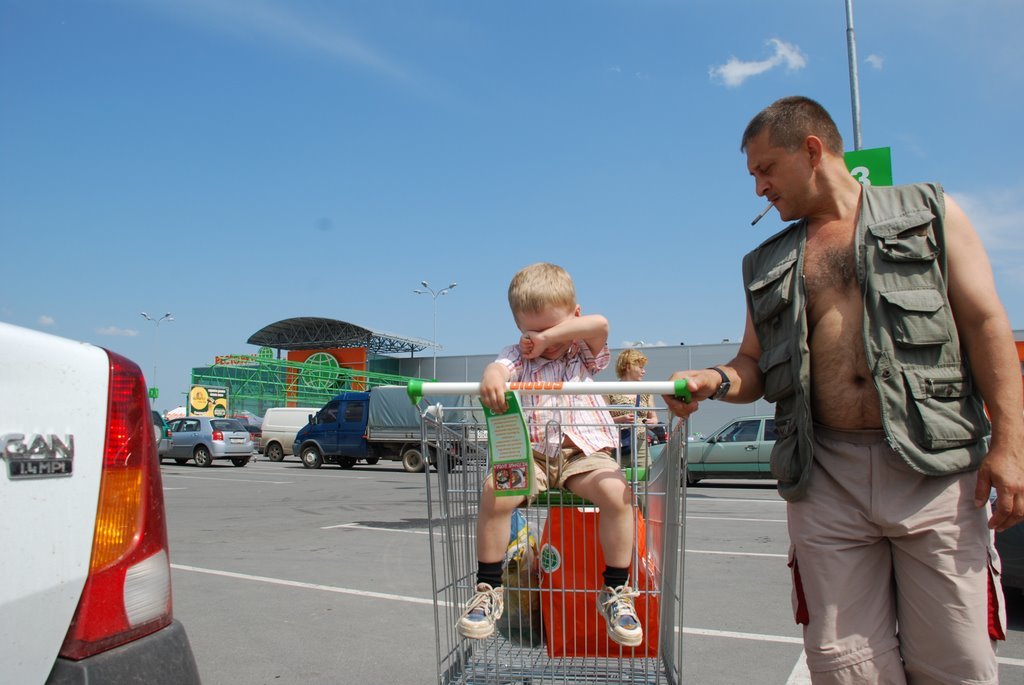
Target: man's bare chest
x=829 y=267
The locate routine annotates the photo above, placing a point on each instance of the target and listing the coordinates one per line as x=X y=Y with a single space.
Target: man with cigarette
x=874 y=325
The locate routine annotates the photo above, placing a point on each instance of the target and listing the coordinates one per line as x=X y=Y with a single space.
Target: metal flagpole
x=851 y=49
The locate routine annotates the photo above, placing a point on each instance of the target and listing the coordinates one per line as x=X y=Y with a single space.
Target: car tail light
x=128 y=591
x=218 y=436
x=167 y=433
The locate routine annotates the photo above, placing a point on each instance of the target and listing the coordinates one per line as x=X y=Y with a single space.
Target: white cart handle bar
x=417 y=389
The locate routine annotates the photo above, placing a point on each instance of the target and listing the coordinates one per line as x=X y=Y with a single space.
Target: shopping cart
x=551 y=631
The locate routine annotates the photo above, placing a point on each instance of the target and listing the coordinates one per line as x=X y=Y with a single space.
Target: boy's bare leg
x=493 y=523
x=492 y=532
x=610 y=492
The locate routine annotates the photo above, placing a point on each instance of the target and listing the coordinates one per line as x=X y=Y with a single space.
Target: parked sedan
x=739 y=449
x=204 y=439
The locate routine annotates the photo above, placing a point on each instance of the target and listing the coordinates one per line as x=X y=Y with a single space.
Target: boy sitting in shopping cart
x=557 y=344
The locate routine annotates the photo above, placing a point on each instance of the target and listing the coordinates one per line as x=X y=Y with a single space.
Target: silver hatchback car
x=204 y=439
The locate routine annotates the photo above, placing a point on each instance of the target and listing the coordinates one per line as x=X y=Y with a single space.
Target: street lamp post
x=434 y=294
x=166 y=317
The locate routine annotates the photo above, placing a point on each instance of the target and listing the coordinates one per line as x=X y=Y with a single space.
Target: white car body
x=55 y=402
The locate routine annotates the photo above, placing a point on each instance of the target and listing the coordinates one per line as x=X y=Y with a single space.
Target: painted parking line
x=795 y=676
x=758 y=637
x=737 y=554
x=729 y=518
x=304 y=586
x=359 y=526
x=715 y=500
x=231 y=480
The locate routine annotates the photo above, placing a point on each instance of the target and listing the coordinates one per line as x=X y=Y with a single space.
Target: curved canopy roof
x=316 y=333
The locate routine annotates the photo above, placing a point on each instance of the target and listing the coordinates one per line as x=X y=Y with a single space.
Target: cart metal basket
x=550 y=631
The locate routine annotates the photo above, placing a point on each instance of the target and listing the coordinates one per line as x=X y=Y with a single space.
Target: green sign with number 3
x=872 y=167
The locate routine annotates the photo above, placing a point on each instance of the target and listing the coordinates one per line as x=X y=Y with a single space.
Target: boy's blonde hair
x=539 y=286
x=628 y=358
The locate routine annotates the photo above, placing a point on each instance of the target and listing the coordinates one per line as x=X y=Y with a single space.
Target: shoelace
x=485 y=600
x=620 y=593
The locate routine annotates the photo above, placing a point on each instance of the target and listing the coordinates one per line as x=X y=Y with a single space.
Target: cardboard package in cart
x=571 y=564
x=511 y=455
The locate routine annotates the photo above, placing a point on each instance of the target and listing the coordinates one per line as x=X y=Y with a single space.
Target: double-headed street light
x=166 y=317
x=434 y=294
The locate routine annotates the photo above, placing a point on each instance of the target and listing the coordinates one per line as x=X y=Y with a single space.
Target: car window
x=226 y=425
x=741 y=431
x=192 y=425
x=354 y=412
x=328 y=414
x=157 y=419
x=175 y=425
x=769 y=430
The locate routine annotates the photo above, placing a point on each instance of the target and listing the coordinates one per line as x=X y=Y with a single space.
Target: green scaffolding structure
x=256 y=383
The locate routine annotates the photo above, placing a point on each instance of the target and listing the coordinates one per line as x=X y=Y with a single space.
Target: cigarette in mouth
x=761 y=215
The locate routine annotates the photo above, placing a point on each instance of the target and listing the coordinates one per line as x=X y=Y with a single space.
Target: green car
x=739 y=449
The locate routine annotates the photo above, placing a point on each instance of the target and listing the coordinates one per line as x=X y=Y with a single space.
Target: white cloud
x=115 y=331
x=877 y=61
x=734 y=72
x=45 y=320
x=281 y=24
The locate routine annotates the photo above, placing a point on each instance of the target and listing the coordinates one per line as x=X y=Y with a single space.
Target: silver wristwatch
x=723 y=389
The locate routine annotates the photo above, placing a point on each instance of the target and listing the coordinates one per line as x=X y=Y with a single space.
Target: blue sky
x=238 y=162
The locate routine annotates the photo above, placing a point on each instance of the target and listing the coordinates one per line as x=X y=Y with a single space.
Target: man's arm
x=747 y=381
x=986 y=334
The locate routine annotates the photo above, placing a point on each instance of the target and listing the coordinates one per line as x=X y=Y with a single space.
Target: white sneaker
x=616 y=605
x=485 y=607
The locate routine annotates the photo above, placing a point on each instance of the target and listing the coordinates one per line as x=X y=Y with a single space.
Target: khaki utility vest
x=931 y=413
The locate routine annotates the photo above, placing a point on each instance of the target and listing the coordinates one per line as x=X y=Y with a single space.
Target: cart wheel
x=311 y=458
x=180 y=462
x=240 y=461
x=202 y=456
x=412 y=460
x=274 y=452
x=347 y=462
x=372 y=460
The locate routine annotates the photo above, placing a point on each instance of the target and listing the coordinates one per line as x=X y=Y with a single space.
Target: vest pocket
x=771 y=294
x=944 y=413
x=786 y=463
x=908 y=238
x=778 y=372
x=919 y=317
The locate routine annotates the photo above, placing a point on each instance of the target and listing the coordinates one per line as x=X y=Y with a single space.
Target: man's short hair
x=539 y=286
x=790 y=120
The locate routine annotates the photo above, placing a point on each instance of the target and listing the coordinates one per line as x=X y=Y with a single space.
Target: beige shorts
x=572 y=462
x=894 y=572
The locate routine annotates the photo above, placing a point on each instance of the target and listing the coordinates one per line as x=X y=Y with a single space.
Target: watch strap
x=723 y=387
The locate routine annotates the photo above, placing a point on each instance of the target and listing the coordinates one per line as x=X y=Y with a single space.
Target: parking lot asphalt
x=286 y=575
